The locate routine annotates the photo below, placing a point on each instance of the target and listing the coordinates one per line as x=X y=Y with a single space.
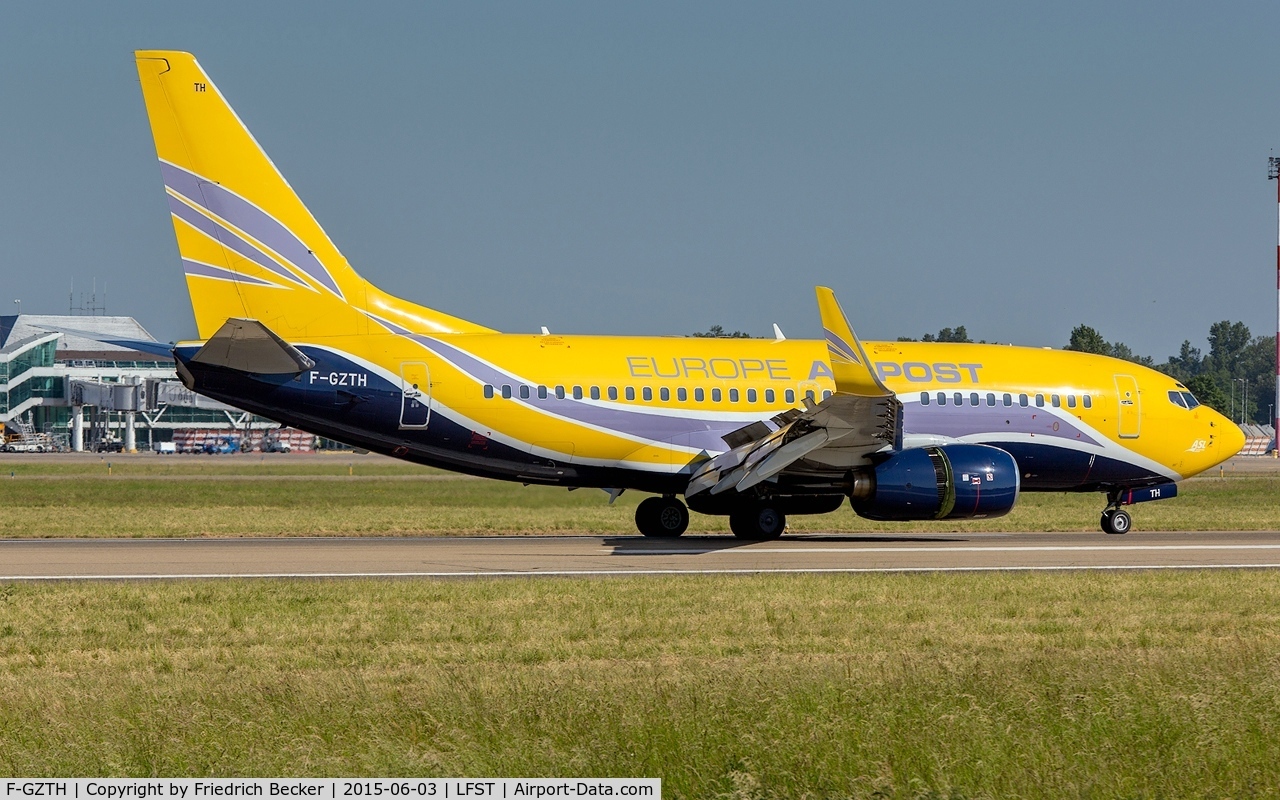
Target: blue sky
x=656 y=168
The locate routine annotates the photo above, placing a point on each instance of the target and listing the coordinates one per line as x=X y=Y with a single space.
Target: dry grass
x=1031 y=685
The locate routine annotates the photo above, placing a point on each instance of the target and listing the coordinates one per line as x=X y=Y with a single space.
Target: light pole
x=19 y=304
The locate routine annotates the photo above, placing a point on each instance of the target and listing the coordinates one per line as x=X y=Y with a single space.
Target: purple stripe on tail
x=220 y=234
x=210 y=271
x=250 y=219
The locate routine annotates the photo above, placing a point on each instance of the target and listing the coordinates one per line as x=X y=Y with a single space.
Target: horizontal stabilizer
x=246 y=345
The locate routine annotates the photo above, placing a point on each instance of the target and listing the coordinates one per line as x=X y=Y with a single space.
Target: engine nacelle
x=951 y=481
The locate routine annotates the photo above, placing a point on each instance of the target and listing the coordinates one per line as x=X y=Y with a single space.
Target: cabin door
x=1130 y=411
x=415 y=395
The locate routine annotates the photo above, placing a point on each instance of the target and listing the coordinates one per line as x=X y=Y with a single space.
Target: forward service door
x=1130 y=408
x=415 y=395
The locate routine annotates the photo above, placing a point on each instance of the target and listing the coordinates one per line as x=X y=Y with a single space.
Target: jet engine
x=951 y=481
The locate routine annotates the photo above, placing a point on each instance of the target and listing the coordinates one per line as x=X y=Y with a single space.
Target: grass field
x=994 y=685
x=250 y=496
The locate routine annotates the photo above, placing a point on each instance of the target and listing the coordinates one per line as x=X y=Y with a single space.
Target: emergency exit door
x=1130 y=412
x=415 y=395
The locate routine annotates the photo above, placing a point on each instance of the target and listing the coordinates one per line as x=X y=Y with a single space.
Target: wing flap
x=862 y=417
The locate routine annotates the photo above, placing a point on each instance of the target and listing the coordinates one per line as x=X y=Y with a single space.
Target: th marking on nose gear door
x=415 y=402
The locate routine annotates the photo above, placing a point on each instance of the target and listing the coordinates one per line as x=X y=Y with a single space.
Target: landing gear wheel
x=757 y=522
x=662 y=517
x=1116 y=521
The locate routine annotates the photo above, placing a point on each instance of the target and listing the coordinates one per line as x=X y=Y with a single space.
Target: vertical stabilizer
x=249 y=246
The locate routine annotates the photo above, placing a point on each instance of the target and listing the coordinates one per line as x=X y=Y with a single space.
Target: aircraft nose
x=1229 y=436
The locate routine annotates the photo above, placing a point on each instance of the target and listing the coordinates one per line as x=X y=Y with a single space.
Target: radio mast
x=1273 y=173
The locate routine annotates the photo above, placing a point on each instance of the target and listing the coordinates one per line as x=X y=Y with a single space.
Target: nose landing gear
x=1116 y=520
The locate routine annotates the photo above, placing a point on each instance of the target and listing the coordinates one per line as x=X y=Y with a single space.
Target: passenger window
x=1008 y=399
x=577 y=393
x=506 y=391
x=631 y=393
x=1176 y=399
x=613 y=392
x=973 y=399
x=595 y=392
x=959 y=398
x=665 y=394
x=682 y=394
x=1071 y=401
x=1056 y=400
x=715 y=395
x=488 y=392
x=647 y=394
x=770 y=396
x=524 y=392
x=542 y=393
x=1039 y=401
x=809 y=395
x=1022 y=400
x=751 y=395
x=559 y=392
x=789 y=396
x=1088 y=401
x=699 y=395
x=942 y=398
x=733 y=395
x=991 y=398
x=924 y=398
x=826 y=393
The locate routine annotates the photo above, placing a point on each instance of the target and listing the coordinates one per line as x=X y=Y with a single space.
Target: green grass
x=993 y=685
x=243 y=498
x=250 y=465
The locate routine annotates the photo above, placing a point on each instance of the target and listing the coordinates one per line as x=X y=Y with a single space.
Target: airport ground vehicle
x=751 y=429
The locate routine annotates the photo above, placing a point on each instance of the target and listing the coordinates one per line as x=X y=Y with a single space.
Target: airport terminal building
x=62 y=388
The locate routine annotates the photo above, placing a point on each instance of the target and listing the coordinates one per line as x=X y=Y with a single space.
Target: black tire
x=662 y=517
x=757 y=523
x=1117 y=522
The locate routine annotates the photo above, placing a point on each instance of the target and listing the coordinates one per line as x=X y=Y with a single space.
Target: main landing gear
x=667 y=518
x=662 y=517
x=757 y=521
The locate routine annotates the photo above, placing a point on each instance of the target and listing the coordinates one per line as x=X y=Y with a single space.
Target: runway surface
x=115 y=559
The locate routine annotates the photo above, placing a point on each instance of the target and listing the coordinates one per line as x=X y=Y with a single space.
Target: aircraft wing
x=833 y=436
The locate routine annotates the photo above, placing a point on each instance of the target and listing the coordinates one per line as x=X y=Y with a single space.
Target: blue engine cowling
x=952 y=481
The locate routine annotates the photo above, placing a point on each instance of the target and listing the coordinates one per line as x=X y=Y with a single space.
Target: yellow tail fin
x=249 y=246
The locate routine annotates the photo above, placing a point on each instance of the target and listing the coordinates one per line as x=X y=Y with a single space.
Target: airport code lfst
x=192 y=788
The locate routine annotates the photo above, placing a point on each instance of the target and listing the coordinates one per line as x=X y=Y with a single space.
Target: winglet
x=849 y=363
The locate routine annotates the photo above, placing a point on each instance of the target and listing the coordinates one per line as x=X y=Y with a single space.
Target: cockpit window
x=1183 y=399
